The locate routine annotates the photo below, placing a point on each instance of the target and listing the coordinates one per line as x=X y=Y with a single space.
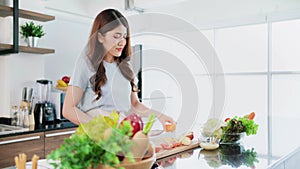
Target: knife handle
x=24 y=94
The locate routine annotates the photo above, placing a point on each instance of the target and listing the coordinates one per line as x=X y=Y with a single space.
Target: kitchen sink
x=7 y=129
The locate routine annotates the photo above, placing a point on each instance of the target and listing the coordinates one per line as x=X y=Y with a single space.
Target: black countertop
x=42 y=128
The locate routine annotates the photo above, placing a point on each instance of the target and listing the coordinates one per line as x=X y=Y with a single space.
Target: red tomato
x=227 y=119
x=251 y=116
x=136 y=122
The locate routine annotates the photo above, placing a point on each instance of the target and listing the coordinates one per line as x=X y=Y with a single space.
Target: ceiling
x=208 y=11
x=199 y=12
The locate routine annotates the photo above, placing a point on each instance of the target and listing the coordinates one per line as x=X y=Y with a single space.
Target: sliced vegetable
x=167 y=146
x=157 y=149
x=186 y=141
x=190 y=135
x=170 y=127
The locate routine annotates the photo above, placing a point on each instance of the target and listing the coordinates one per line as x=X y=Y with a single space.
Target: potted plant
x=31 y=32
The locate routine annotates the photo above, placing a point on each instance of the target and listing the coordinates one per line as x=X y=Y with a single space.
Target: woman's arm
x=70 y=110
x=142 y=110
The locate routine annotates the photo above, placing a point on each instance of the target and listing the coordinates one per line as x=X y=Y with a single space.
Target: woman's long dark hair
x=106 y=21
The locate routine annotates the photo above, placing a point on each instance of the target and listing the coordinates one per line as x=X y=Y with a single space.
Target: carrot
x=251 y=116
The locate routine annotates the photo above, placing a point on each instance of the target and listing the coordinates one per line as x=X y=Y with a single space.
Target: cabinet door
x=29 y=144
x=54 y=139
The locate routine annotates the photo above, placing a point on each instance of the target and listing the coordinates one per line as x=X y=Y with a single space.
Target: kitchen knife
x=24 y=94
x=30 y=95
x=24 y=102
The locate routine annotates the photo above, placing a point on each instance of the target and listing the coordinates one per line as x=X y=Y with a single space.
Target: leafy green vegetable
x=211 y=126
x=94 y=143
x=149 y=124
x=241 y=124
x=238 y=125
x=94 y=128
x=113 y=119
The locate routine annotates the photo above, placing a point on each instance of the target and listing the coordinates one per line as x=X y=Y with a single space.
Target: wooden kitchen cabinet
x=54 y=139
x=27 y=143
x=41 y=144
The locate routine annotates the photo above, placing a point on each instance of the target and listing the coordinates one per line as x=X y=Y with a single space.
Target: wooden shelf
x=27 y=49
x=8 y=11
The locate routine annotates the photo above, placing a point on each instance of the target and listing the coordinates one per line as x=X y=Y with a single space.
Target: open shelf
x=8 y=11
x=27 y=49
x=17 y=13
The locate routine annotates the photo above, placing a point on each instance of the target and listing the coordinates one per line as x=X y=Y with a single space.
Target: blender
x=44 y=112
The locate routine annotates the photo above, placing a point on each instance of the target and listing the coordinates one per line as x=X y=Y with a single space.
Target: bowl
x=144 y=164
x=232 y=138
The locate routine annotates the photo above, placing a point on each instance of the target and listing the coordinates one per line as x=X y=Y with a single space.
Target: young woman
x=103 y=77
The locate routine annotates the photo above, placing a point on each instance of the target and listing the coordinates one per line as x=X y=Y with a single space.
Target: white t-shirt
x=115 y=93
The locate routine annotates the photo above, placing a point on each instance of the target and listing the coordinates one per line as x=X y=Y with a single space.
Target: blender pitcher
x=44 y=112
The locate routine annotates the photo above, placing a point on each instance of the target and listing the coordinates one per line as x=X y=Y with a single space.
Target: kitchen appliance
x=136 y=62
x=44 y=111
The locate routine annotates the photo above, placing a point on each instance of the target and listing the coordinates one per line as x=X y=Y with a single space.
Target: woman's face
x=114 y=41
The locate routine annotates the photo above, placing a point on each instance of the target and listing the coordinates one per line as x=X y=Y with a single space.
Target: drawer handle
x=20 y=140
x=59 y=134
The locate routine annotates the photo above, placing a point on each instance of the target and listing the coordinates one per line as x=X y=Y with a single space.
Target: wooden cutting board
x=165 y=153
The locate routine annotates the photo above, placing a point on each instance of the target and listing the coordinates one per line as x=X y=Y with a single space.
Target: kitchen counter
x=56 y=126
x=226 y=157
x=229 y=157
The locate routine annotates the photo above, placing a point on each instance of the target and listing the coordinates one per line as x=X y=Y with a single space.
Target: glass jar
x=26 y=116
x=21 y=115
x=14 y=114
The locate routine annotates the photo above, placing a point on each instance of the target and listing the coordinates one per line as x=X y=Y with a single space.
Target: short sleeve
x=81 y=72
